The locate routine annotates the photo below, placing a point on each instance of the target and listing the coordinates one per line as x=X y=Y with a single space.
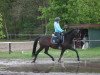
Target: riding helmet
x=57 y=19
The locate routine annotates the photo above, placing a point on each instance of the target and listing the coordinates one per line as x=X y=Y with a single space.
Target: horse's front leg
x=62 y=52
x=78 y=58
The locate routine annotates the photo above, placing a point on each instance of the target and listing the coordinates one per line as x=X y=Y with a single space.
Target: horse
x=45 y=43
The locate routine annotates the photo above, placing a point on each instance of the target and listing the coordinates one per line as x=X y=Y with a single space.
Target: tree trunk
x=6 y=30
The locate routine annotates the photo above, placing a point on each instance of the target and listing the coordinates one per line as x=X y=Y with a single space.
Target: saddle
x=54 y=39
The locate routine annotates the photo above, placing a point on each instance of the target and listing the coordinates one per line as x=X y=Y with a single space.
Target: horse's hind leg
x=38 y=51
x=46 y=52
x=76 y=53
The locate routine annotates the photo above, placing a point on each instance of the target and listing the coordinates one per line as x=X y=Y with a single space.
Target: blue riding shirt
x=57 y=27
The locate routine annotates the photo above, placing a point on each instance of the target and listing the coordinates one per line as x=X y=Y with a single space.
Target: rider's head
x=57 y=19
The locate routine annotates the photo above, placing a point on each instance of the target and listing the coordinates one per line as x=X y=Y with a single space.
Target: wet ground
x=48 y=67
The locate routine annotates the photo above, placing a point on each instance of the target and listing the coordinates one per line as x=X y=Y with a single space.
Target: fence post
x=10 y=48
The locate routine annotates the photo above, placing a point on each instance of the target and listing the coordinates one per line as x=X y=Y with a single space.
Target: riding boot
x=59 y=45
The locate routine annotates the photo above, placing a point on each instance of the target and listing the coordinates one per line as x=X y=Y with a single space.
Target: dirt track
x=48 y=67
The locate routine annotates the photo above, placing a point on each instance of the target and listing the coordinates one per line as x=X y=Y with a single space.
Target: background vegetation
x=37 y=16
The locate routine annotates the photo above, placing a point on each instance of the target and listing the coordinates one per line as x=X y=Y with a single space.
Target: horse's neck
x=68 y=33
x=70 y=36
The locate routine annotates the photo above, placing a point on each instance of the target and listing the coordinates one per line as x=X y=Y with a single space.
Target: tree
x=72 y=12
x=54 y=9
x=20 y=16
x=26 y=16
x=1 y=27
x=83 y=11
x=4 y=10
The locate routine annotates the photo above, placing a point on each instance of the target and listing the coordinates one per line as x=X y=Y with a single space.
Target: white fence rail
x=17 y=45
x=17 y=42
x=88 y=40
x=84 y=41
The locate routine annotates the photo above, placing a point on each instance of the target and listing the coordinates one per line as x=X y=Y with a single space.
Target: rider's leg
x=58 y=39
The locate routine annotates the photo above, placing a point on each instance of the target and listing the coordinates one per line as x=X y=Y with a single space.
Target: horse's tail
x=34 y=46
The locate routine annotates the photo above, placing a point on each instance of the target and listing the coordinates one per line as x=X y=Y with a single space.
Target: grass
x=89 y=53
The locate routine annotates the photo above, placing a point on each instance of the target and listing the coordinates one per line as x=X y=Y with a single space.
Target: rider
x=58 y=31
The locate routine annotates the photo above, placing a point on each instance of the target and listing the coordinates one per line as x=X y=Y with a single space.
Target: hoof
x=33 y=62
x=53 y=60
x=59 y=61
x=78 y=59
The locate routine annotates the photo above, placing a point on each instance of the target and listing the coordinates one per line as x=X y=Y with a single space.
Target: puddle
x=48 y=66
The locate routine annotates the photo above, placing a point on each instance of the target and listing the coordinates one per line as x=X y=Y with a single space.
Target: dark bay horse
x=45 y=43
